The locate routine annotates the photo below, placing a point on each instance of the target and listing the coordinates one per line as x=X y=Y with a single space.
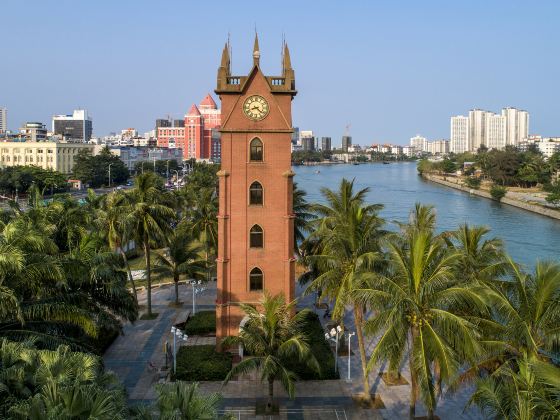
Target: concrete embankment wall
x=516 y=203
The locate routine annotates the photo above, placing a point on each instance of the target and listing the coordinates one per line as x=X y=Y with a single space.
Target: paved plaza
x=142 y=344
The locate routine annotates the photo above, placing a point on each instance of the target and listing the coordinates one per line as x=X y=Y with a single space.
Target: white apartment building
x=396 y=150
x=459 y=134
x=3 y=120
x=546 y=145
x=438 y=147
x=517 y=125
x=419 y=143
x=495 y=131
x=58 y=156
x=489 y=129
x=409 y=151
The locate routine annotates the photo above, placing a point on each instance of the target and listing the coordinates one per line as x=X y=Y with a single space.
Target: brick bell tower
x=255 y=218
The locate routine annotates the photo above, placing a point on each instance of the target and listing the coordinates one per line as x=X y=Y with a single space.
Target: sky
x=388 y=69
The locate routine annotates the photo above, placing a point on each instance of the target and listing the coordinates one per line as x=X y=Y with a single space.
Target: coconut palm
x=525 y=390
x=112 y=221
x=273 y=337
x=149 y=218
x=349 y=233
x=204 y=218
x=181 y=400
x=419 y=303
x=181 y=257
x=480 y=259
x=303 y=215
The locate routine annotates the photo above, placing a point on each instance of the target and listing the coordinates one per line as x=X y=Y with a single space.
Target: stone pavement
x=143 y=342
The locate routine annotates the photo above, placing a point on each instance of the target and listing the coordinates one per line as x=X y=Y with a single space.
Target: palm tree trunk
x=176 y=281
x=148 y=274
x=437 y=379
x=270 y=395
x=358 y=314
x=413 y=382
x=129 y=271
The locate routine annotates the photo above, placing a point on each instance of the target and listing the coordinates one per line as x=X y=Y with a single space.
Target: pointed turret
x=287 y=62
x=224 y=69
x=193 y=112
x=256 y=51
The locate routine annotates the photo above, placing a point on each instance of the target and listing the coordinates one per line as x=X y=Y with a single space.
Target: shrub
x=473 y=182
x=202 y=363
x=201 y=323
x=320 y=348
x=498 y=192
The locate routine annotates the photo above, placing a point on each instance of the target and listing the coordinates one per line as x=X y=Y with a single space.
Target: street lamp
x=176 y=179
x=332 y=335
x=195 y=291
x=177 y=333
x=110 y=174
x=349 y=341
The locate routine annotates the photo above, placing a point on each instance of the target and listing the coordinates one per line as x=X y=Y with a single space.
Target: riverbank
x=509 y=198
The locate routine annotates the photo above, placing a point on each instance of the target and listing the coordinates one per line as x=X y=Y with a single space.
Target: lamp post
x=177 y=333
x=350 y=335
x=195 y=291
x=110 y=174
x=177 y=179
x=332 y=335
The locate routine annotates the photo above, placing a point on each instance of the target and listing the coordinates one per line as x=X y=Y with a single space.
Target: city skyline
x=410 y=61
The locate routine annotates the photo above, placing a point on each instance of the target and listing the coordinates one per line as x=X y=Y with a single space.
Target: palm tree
x=149 y=217
x=274 y=337
x=303 y=215
x=527 y=390
x=182 y=257
x=349 y=233
x=112 y=221
x=180 y=400
x=419 y=303
x=204 y=219
x=480 y=259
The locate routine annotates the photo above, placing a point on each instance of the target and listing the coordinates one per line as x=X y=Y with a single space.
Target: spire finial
x=256 y=51
x=287 y=64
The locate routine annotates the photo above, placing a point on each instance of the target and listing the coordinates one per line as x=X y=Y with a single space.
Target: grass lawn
x=202 y=323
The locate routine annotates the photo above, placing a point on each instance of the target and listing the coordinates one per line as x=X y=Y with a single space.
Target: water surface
x=527 y=236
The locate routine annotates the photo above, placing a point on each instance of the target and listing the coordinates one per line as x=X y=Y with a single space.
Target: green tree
x=149 y=218
x=303 y=214
x=273 y=338
x=349 y=233
x=204 y=219
x=418 y=308
x=498 y=192
x=181 y=257
x=94 y=170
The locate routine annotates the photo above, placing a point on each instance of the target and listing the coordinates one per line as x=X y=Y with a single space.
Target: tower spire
x=256 y=50
x=287 y=62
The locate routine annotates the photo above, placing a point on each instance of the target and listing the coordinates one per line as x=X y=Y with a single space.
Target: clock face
x=255 y=107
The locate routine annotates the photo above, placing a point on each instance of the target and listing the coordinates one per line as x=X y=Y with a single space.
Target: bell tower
x=255 y=218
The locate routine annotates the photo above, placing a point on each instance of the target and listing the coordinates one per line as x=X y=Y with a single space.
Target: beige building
x=45 y=154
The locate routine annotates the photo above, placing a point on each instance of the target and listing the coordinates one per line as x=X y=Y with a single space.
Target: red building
x=197 y=137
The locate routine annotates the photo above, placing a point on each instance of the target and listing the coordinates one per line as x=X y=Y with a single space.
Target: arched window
x=256 y=279
x=256 y=193
x=256 y=239
x=256 y=150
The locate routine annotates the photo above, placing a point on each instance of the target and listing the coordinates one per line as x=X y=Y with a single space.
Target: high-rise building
x=75 y=127
x=255 y=217
x=326 y=144
x=295 y=136
x=517 y=125
x=308 y=144
x=212 y=117
x=477 y=129
x=459 y=134
x=3 y=120
x=495 y=131
x=346 y=143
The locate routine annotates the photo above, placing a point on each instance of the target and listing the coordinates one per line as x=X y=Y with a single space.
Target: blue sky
x=391 y=69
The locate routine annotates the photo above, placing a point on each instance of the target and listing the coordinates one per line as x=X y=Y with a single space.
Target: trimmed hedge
x=201 y=323
x=320 y=348
x=202 y=363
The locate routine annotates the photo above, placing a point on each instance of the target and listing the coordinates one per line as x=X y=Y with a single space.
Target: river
x=528 y=237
